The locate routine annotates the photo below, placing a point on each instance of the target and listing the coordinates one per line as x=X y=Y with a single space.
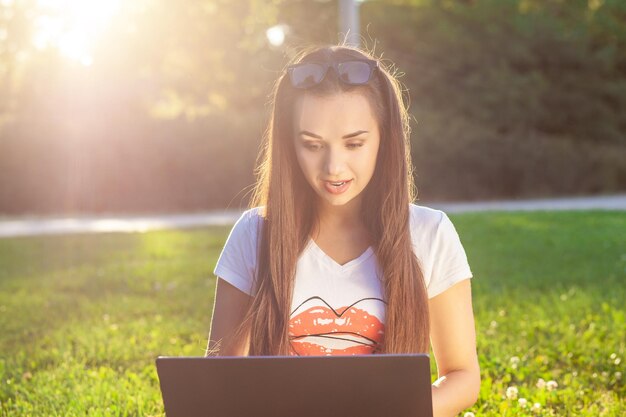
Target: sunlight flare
x=72 y=26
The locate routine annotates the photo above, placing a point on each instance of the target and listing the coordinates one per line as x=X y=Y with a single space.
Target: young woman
x=333 y=257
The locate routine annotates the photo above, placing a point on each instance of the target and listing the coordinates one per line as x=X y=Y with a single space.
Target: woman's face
x=336 y=141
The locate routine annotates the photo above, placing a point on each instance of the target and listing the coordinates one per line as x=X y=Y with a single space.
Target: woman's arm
x=228 y=312
x=453 y=340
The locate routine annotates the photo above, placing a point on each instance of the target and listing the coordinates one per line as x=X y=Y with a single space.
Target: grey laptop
x=394 y=385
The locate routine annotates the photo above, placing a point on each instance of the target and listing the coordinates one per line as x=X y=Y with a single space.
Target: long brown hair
x=288 y=213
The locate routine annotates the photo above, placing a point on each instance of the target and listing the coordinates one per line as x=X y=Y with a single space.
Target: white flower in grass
x=613 y=355
x=617 y=361
x=514 y=362
x=541 y=384
x=469 y=414
x=511 y=393
x=522 y=402
x=536 y=407
x=551 y=385
x=618 y=375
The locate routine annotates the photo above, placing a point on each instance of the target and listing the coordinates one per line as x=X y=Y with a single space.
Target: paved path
x=607 y=202
x=30 y=226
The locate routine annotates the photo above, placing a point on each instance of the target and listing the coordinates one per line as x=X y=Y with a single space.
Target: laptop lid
x=395 y=385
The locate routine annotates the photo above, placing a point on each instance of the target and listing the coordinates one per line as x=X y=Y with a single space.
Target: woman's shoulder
x=423 y=217
x=429 y=226
x=254 y=214
x=438 y=246
x=251 y=219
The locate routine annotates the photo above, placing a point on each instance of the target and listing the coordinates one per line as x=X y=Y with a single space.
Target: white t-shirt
x=340 y=309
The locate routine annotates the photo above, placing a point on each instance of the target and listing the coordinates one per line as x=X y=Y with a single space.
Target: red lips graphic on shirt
x=359 y=331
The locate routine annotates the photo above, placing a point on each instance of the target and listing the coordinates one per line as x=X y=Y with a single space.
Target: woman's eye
x=312 y=147
x=315 y=147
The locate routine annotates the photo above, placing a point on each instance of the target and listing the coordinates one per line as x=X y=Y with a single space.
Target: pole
x=349 y=22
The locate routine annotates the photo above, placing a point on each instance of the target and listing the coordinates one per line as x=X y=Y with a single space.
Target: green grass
x=83 y=317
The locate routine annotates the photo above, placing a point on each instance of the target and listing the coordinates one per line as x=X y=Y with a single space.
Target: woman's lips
x=337 y=190
x=357 y=330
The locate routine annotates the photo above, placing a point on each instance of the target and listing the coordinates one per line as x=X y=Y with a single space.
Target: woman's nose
x=334 y=162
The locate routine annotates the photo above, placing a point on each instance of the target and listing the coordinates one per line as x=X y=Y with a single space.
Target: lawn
x=83 y=317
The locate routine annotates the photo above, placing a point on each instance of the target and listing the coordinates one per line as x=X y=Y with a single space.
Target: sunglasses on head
x=354 y=72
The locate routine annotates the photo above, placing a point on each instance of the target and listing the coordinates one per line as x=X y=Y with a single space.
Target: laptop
x=390 y=385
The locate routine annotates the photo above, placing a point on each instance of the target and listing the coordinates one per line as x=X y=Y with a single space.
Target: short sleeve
x=237 y=261
x=449 y=260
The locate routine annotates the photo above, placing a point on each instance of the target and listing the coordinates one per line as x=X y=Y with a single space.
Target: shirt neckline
x=334 y=264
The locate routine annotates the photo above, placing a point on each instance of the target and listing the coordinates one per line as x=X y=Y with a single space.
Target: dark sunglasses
x=354 y=72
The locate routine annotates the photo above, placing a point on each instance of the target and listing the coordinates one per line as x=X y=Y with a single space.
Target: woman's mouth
x=337 y=187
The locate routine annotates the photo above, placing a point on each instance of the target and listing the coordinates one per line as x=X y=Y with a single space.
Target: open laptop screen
x=393 y=385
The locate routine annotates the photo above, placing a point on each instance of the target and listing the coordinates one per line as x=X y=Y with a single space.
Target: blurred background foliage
x=158 y=106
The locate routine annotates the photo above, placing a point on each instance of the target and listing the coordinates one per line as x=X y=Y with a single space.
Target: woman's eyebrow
x=348 y=136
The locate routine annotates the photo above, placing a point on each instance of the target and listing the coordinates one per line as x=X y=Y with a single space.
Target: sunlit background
x=153 y=106
x=160 y=106
x=72 y=27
